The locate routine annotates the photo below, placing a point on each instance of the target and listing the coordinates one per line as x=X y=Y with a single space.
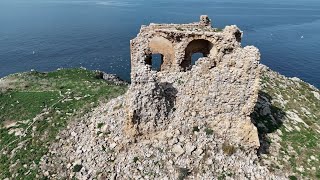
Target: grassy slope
x=290 y=131
x=34 y=107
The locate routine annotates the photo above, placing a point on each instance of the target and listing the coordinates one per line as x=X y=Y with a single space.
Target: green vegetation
x=183 y=173
x=100 y=125
x=228 y=149
x=180 y=82
x=208 y=131
x=224 y=175
x=77 y=168
x=195 y=129
x=295 y=118
x=36 y=106
x=135 y=159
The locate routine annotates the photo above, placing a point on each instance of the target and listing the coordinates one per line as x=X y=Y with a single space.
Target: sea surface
x=48 y=34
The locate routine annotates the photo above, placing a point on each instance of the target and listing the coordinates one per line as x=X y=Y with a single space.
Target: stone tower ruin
x=217 y=92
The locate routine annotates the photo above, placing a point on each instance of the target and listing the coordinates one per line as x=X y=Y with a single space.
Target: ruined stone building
x=184 y=119
x=217 y=91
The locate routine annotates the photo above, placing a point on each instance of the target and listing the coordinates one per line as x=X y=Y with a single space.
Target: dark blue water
x=49 y=34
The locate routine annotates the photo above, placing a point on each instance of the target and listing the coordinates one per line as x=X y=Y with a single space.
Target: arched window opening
x=195 y=49
x=195 y=57
x=161 y=53
x=155 y=61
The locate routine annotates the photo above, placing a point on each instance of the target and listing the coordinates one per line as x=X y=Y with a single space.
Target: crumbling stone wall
x=184 y=120
x=218 y=92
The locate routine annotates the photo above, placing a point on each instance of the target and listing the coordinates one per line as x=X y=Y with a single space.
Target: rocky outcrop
x=184 y=121
x=110 y=78
x=98 y=145
x=287 y=117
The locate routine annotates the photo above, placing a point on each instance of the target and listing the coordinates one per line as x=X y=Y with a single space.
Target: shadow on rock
x=170 y=94
x=267 y=118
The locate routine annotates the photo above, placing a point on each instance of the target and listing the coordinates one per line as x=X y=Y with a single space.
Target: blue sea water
x=49 y=34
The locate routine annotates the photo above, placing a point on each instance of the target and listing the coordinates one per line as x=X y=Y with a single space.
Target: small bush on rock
x=208 y=131
x=100 y=125
x=293 y=178
x=228 y=149
x=135 y=159
x=77 y=168
x=195 y=129
x=183 y=173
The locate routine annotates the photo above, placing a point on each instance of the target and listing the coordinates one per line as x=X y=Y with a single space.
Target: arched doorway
x=195 y=49
x=162 y=54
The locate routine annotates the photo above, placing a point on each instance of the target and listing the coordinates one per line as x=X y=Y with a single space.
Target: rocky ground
x=92 y=145
x=288 y=120
x=98 y=146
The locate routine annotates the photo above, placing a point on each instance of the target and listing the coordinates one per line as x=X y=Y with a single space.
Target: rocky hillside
x=63 y=125
x=287 y=116
x=35 y=107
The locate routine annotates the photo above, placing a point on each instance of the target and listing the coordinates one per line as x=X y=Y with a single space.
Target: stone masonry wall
x=219 y=91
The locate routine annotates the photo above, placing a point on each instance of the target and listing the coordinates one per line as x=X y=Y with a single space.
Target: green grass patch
x=293 y=178
x=19 y=106
x=297 y=141
x=58 y=96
